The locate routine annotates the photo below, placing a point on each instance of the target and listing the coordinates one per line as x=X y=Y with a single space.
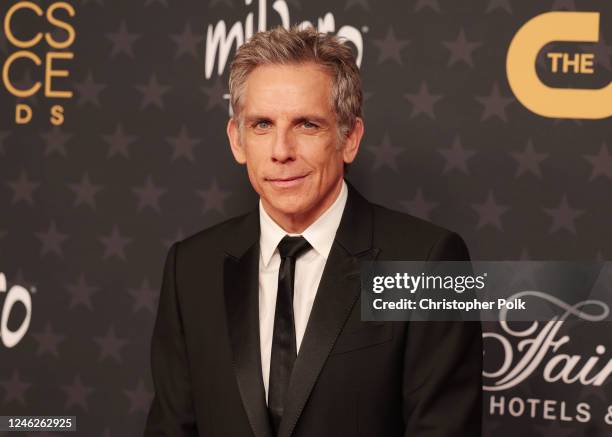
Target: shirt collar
x=320 y=234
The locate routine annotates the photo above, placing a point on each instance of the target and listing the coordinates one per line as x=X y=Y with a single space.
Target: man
x=258 y=331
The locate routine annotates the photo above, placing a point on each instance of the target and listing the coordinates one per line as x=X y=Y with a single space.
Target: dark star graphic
x=85 y=192
x=51 y=240
x=214 y=198
x=89 y=90
x=144 y=297
x=14 y=388
x=563 y=216
x=602 y=163
x=216 y=95
x=494 y=104
x=110 y=345
x=55 y=141
x=152 y=93
x=81 y=293
x=149 y=195
x=119 y=142
x=456 y=157
x=529 y=160
x=390 y=47
x=48 y=341
x=423 y=102
x=140 y=398
x=114 y=244
x=187 y=42
x=23 y=188
x=490 y=212
x=76 y=394
x=461 y=49
x=418 y=206
x=183 y=145
x=122 y=41
x=385 y=154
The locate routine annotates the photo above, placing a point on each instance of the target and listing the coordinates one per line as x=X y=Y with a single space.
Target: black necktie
x=284 y=349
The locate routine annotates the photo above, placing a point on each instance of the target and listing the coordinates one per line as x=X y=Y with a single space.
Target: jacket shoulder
x=214 y=236
x=398 y=220
x=405 y=235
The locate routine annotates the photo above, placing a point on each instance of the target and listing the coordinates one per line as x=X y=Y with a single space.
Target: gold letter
x=50 y=72
x=5 y=74
x=57 y=115
x=554 y=57
x=20 y=117
x=7 y=25
x=61 y=24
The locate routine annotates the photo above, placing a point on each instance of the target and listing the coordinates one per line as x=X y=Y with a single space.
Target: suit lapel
x=338 y=292
x=241 y=289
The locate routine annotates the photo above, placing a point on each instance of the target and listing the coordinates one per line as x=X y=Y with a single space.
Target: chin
x=289 y=205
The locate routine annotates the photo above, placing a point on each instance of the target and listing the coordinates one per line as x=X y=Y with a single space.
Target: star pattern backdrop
x=89 y=209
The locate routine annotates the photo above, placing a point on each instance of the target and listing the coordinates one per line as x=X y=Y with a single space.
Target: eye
x=309 y=125
x=262 y=124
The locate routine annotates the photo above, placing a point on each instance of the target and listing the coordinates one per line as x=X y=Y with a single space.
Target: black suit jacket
x=351 y=378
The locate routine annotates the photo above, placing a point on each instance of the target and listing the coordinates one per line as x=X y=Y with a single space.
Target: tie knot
x=293 y=246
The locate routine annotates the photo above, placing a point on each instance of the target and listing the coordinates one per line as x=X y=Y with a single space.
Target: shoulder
x=405 y=235
x=217 y=237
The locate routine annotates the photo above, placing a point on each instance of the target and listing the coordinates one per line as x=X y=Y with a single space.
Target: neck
x=297 y=223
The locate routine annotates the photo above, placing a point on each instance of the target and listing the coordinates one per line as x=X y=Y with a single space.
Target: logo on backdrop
x=17 y=294
x=220 y=41
x=542 y=347
x=557 y=102
x=48 y=53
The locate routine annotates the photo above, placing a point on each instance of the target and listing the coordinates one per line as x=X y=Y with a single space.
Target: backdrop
x=112 y=146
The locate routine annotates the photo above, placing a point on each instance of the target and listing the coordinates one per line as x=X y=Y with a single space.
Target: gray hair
x=294 y=46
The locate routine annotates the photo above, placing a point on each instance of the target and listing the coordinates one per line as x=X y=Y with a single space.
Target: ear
x=351 y=145
x=233 y=133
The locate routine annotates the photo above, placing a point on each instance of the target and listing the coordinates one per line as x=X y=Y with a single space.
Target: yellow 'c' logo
x=521 y=67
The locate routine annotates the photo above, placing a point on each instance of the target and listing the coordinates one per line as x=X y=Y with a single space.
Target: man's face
x=289 y=140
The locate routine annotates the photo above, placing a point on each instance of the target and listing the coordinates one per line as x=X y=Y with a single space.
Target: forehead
x=287 y=88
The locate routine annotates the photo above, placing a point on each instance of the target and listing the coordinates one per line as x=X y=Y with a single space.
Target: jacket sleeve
x=172 y=412
x=442 y=387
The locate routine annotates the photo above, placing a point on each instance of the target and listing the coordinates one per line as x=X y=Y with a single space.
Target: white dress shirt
x=308 y=271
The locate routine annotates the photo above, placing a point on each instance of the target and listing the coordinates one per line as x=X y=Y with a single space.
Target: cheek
x=324 y=156
x=256 y=158
x=331 y=163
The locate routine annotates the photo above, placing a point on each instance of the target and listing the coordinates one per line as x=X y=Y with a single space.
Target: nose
x=283 y=148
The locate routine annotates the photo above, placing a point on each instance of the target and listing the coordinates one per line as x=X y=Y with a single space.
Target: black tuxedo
x=351 y=378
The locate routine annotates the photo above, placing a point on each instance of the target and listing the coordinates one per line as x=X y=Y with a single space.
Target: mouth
x=287 y=182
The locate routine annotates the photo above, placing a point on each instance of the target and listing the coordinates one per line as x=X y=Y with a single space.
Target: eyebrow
x=296 y=120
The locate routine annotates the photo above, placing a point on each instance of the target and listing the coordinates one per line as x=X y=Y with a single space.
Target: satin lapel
x=242 y=305
x=338 y=291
